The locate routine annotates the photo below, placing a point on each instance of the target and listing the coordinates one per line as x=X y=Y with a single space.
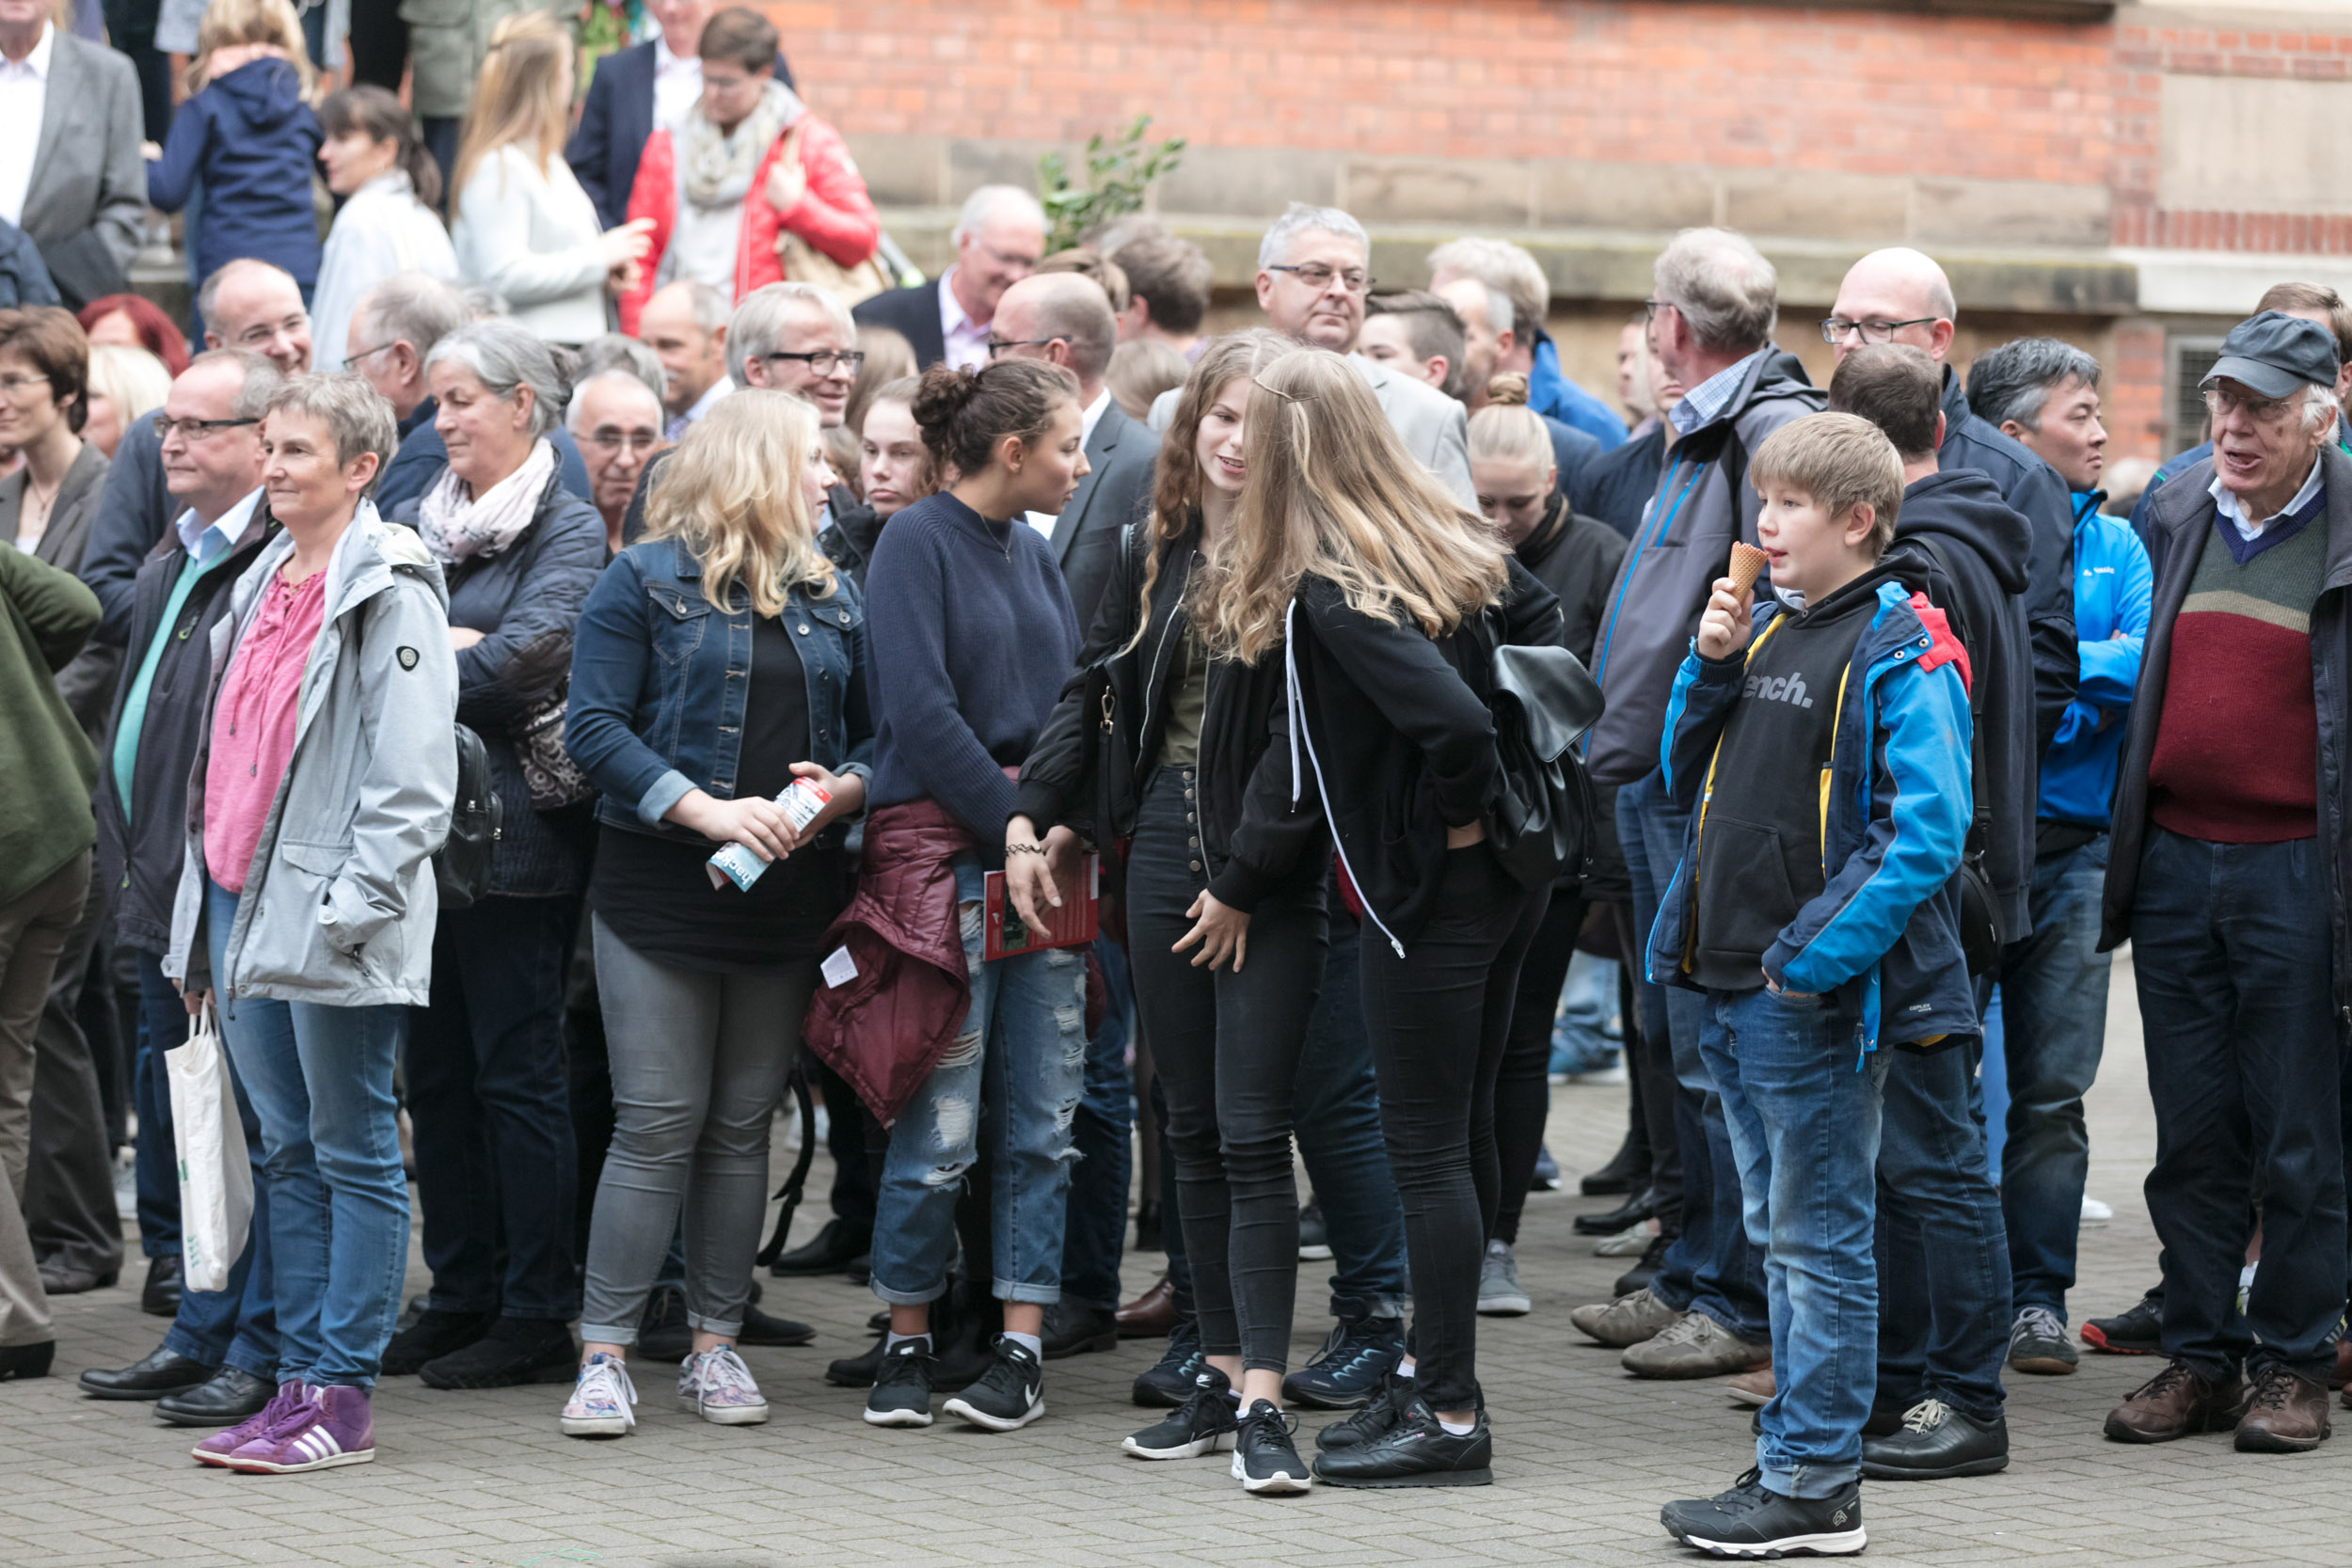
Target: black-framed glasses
x=606 y=438
x=825 y=361
x=1651 y=306
x=351 y=361
x=1836 y=329
x=1355 y=280
x=193 y=429
x=996 y=346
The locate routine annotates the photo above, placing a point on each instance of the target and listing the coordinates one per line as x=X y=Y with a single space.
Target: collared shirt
x=207 y=541
x=1043 y=521
x=677 y=82
x=208 y=544
x=2234 y=510
x=703 y=405
x=966 y=339
x=23 y=94
x=1703 y=403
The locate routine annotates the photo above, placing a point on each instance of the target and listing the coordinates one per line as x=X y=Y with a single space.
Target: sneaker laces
x=722 y=1372
x=1927 y=1416
x=301 y=1409
x=1688 y=1329
x=2038 y=1323
x=1257 y=1420
x=605 y=1380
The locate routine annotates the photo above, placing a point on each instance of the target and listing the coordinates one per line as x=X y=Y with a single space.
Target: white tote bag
x=215 y=1172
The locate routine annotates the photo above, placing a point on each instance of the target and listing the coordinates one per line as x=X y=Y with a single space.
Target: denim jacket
x=660 y=677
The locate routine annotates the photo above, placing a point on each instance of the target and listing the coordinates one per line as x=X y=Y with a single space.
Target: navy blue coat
x=614 y=123
x=251 y=141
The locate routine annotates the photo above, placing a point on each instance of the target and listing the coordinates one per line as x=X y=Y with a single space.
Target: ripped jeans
x=1022 y=1051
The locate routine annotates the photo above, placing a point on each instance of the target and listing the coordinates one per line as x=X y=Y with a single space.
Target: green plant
x=1118 y=173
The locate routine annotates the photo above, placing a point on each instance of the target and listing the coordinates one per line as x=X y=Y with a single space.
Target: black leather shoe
x=72 y=1280
x=860 y=1271
x=1627 y=1171
x=148 y=1378
x=26 y=1360
x=516 y=1351
x=761 y=1329
x=828 y=1252
x=857 y=1371
x=1073 y=1328
x=1935 y=1443
x=1640 y=1274
x=1416 y=1451
x=662 y=1334
x=433 y=1335
x=1640 y=1208
x=231 y=1396
x=160 y=1296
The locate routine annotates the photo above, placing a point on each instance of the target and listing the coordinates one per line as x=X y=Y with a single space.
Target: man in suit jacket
x=626 y=99
x=71 y=174
x=1000 y=235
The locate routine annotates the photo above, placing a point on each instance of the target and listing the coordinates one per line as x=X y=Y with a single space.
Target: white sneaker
x=2096 y=1212
x=716 y=1385
x=602 y=1400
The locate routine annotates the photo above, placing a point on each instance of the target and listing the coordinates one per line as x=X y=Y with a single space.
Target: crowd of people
x=542 y=687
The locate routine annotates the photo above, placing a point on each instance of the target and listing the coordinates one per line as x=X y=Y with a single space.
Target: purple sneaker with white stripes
x=338 y=1429
x=290 y=1399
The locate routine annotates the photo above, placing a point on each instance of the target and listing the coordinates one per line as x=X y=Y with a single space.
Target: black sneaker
x=902 y=1395
x=433 y=1335
x=1937 y=1443
x=2137 y=1332
x=663 y=1334
x=1073 y=1327
x=1379 y=1413
x=1750 y=1522
x=1348 y=1371
x=1168 y=1381
x=1416 y=1451
x=760 y=1329
x=1265 y=1459
x=1009 y=1395
x=1204 y=1424
x=1640 y=1274
x=515 y=1352
x=2038 y=1343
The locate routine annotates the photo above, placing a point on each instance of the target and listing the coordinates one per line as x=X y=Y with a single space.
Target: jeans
x=1438 y=1016
x=1226 y=1045
x=2233 y=953
x=495 y=1161
x=237 y=1324
x=1022 y=1049
x=1804 y=1125
x=2054 y=1003
x=1095 y=1223
x=1581 y=1041
x=154 y=1162
x=699 y=1063
x=320 y=1080
x=1943 y=1254
x=1523 y=1083
x=1712 y=1267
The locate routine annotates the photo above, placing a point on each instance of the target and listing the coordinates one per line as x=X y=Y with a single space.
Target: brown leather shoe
x=1150 y=1315
x=2283 y=1414
x=2174 y=1404
x=2342 y=1373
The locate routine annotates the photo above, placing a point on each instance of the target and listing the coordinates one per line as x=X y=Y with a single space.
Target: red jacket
x=834 y=215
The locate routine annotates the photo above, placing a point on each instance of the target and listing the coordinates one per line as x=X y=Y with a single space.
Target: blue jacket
x=252 y=142
x=659 y=685
x=1885 y=933
x=2112 y=584
x=1550 y=393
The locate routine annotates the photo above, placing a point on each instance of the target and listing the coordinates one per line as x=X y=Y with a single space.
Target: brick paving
x=1585 y=1453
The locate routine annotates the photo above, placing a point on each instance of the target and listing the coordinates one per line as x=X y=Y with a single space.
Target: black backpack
x=461 y=868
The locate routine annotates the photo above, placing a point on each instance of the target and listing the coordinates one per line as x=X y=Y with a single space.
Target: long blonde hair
x=731 y=494
x=1331 y=492
x=518 y=99
x=228 y=23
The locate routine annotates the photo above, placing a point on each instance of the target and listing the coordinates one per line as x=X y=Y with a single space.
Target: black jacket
x=1618 y=483
x=1398 y=736
x=141 y=857
x=849 y=539
x=1979 y=581
x=914 y=314
x=1577 y=558
x=1260 y=840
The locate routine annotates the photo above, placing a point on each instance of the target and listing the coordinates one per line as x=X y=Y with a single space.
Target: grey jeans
x=699 y=1061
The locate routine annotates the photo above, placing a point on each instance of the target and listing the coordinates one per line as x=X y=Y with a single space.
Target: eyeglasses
x=1355 y=280
x=996 y=346
x=351 y=361
x=1836 y=329
x=165 y=426
x=12 y=385
x=607 y=439
x=825 y=361
x=1008 y=258
x=2220 y=400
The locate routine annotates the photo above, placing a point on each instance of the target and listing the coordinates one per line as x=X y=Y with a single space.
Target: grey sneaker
x=1626 y=1321
x=1498 y=1293
x=2038 y=1343
x=1694 y=1346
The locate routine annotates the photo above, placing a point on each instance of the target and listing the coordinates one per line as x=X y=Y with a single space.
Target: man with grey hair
x=1489 y=339
x=617 y=421
x=684 y=323
x=999 y=238
x=1518 y=277
x=1714 y=302
x=392 y=328
x=796 y=337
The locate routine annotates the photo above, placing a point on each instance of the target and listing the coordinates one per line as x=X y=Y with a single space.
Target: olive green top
x=1187 y=696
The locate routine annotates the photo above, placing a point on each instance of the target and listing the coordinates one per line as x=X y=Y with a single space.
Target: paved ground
x=1584 y=1455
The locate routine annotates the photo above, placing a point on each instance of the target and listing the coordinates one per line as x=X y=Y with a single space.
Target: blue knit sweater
x=970 y=639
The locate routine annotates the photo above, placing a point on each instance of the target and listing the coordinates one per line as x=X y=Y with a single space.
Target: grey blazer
x=1122 y=456
x=88 y=681
x=87 y=202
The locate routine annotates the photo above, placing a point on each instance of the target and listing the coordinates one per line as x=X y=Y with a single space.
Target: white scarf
x=715 y=169
x=455 y=525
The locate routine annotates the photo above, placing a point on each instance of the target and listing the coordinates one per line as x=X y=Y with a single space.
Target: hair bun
x=943 y=393
x=1508 y=390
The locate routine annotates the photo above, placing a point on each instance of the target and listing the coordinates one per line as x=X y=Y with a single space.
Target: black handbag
x=1544 y=699
x=461 y=866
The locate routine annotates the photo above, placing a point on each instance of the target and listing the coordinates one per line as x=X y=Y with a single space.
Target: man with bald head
x=617 y=423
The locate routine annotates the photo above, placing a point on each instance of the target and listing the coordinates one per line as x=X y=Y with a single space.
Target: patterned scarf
x=716 y=170
x=455 y=524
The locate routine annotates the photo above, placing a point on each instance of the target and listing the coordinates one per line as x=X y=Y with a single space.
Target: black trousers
x=1523 y=1083
x=1225 y=1045
x=1438 y=1018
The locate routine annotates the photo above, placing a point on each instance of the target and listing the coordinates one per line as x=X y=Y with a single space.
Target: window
x=2188 y=360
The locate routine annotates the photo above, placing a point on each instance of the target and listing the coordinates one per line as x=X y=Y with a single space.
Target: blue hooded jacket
x=251 y=142
x=1550 y=393
x=2112 y=583
x=1883 y=935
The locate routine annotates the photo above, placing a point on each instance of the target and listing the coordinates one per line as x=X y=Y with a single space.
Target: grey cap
x=2275 y=353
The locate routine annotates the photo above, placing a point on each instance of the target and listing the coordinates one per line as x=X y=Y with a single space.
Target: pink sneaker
x=215 y=1449
x=337 y=1429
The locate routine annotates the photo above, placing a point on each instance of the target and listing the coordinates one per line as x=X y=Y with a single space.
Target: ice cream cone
x=1746 y=561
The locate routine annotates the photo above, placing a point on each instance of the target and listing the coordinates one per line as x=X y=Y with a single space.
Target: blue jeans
x=1022 y=1050
x=1804 y=1126
x=2233 y=955
x=1581 y=1041
x=154 y=1170
x=2054 y=1005
x=1712 y=1267
x=1335 y=1107
x=320 y=1083
x=1094 y=1224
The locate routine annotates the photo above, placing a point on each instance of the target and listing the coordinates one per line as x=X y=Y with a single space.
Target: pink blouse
x=253 y=724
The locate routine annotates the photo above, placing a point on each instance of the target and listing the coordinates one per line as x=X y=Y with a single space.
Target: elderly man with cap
x=2229 y=855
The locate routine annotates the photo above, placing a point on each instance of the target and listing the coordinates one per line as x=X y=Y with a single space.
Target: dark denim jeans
x=1804 y=1124
x=2232 y=949
x=1094 y=1227
x=2054 y=1012
x=154 y=1166
x=1712 y=1267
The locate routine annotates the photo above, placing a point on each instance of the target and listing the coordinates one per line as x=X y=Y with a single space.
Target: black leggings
x=1437 y=1019
x=1226 y=1047
x=1523 y=1084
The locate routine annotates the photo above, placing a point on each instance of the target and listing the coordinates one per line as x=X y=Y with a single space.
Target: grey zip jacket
x=339 y=903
